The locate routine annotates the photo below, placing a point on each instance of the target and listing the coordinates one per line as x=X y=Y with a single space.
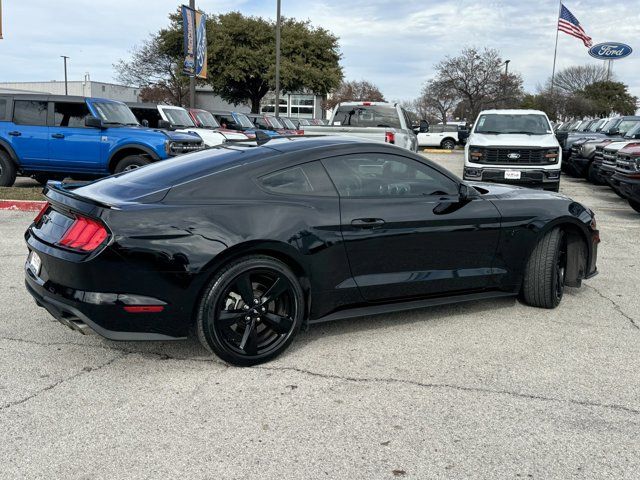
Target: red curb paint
x=22 y=205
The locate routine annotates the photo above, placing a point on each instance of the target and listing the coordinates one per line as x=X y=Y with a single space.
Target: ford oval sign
x=610 y=51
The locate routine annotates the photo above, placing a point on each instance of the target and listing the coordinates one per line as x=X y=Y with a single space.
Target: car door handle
x=57 y=135
x=15 y=133
x=367 y=222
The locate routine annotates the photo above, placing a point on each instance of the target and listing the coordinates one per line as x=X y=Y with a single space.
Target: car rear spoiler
x=62 y=193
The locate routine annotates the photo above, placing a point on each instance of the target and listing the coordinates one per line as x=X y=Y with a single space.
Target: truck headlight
x=167 y=147
x=475 y=154
x=552 y=155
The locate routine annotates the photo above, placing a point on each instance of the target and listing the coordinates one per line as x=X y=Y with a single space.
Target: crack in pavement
x=84 y=371
x=616 y=307
x=162 y=356
x=528 y=396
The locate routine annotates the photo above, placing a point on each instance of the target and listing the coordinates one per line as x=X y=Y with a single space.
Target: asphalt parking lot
x=492 y=389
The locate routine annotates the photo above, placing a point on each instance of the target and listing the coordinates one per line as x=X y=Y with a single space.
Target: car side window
x=30 y=112
x=306 y=179
x=385 y=175
x=261 y=123
x=436 y=129
x=69 y=114
x=3 y=109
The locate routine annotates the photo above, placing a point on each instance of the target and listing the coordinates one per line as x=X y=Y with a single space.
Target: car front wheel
x=448 y=144
x=131 y=163
x=251 y=311
x=544 y=276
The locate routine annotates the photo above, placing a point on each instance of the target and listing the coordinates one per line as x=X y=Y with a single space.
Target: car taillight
x=390 y=137
x=41 y=213
x=84 y=234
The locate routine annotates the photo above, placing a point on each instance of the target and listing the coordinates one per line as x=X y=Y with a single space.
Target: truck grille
x=597 y=158
x=178 y=148
x=626 y=164
x=609 y=158
x=514 y=156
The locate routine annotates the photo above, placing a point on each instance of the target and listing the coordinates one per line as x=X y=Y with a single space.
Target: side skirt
x=380 y=309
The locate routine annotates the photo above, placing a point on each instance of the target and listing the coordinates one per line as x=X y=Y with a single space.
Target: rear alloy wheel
x=544 y=276
x=635 y=205
x=7 y=170
x=251 y=311
x=448 y=144
x=131 y=163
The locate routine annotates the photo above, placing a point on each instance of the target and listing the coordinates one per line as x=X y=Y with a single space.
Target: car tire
x=41 y=178
x=131 y=163
x=635 y=205
x=448 y=144
x=592 y=176
x=543 y=283
x=8 y=171
x=235 y=319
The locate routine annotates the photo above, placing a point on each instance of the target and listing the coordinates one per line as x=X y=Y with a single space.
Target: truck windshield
x=178 y=117
x=367 y=116
x=114 y=113
x=274 y=122
x=498 y=123
x=243 y=120
x=287 y=123
x=206 y=119
x=630 y=129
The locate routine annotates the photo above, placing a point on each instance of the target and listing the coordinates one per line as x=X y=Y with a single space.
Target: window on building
x=30 y=112
x=68 y=114
x=302 y=105
x=104 y=89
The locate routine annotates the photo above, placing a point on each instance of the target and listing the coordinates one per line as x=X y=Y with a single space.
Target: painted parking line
x=22 y=205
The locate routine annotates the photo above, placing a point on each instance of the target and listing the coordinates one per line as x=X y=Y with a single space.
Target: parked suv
x=204 y=119
x=237 y=121
x=513 y=146
x=48 y=136
x=627 y=175
x=443 y=136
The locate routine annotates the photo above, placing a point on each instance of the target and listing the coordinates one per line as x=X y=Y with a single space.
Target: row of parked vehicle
x=605 y=151
x=48 y=137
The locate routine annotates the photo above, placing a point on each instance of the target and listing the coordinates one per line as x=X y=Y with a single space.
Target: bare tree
x=576 y=78
x=437 y=99
x=154 y=68
x=478 y=79
x=354 y=91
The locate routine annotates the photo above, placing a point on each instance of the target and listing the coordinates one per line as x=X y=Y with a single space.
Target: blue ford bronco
x=50 y=136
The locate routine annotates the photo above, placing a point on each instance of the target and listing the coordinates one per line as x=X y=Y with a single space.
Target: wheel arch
x=277 y=250
x=128 y=150
x=6 y=147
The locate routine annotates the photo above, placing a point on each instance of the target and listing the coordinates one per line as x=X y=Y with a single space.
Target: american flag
x=567 y=23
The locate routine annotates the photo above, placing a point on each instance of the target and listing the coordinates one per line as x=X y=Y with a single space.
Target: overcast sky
x=393 y=44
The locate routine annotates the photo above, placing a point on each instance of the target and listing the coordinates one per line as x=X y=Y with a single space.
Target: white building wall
x=80 y=88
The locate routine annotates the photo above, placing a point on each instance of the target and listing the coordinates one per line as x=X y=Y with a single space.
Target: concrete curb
x=22 y=205
x=437 y=150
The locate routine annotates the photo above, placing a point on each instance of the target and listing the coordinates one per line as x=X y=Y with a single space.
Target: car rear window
x=367 y=116
x=30 y=112
x=3 y=109
x=306 y=179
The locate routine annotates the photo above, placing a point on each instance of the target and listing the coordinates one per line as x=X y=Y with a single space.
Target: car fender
x=139 y=146
x=7 y=146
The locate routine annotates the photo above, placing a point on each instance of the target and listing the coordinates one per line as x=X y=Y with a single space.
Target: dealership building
x=302 y=105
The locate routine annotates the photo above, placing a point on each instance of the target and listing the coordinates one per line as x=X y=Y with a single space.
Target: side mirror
x=613 y=131
x=163 y=124
x=636 y=136
x=93 y=122
x=145 y=123
x=466 y=192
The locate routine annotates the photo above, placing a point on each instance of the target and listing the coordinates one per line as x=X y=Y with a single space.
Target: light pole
x=278 y=59
x=66 y=87
x=506 y=68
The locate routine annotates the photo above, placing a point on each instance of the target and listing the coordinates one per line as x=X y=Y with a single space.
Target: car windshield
x=114 y=113
x=274 y=122
x=288 y=123
x=206 y=119
x=502 y=123
x=367 y=116
x=178 y=117
x=596 y=125
x=631 y=132
x=243 y=120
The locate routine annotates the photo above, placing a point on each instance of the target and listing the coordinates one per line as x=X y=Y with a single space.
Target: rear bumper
x=536 y=178
x=90 y=317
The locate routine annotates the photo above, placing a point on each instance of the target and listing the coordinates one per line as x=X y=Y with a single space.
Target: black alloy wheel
x=544 y=276
x=251 y=311
x=131 y=163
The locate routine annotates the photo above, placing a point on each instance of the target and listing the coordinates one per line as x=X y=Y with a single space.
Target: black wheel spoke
x=245 y=288
x=278 y=287
x=278 y=323
x=249 y=342
x=226 y=318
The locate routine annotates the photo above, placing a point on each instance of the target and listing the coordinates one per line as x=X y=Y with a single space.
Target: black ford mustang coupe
x=245 y=244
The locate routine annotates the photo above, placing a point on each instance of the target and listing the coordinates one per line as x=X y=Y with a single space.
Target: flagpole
x=555 y=51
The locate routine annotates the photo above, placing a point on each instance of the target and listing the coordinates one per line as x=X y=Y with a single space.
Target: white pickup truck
x=375 y=121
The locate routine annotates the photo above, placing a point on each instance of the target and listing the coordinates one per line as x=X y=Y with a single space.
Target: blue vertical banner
x=195 y=42
x=189 y=31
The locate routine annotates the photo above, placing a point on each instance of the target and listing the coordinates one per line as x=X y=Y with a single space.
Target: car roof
x=142 y=105
x=515 y=111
